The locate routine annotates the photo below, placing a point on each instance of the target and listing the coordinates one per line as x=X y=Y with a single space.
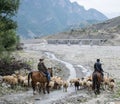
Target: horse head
x=50 y=70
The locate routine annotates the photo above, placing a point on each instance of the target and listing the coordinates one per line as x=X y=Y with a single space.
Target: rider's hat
x=41 y=59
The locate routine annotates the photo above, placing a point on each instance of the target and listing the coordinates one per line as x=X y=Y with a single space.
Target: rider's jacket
x=98 y=67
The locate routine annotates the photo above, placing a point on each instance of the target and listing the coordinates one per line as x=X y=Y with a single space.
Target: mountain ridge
x=42 y=17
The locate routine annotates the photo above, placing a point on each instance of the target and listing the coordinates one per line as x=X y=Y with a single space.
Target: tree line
x=8 y=35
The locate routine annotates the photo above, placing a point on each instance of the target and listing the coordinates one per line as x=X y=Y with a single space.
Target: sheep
x=59 y=78
x=14 y=82
x=25 y=83
x=38 y=87
x=111 y=84
x=7 y=78
x=65 y=86
x=56 y=85
x=56 y=77
x=89 y=78
x=89 y=85
x=21 y=79
x=57 y=82
x=84 y=82
x=72 y=81
x=106 y=81
x=81 y=83
x=51 y=84
x=111 y=80
x=11 y=79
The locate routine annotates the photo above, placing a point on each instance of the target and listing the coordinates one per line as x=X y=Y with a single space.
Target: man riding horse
x=42 y=68
x=98 y=68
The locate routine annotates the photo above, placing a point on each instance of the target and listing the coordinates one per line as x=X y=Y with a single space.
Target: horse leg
x=95 y=88
x=43 y=87
x=39 y=89
x=33 y=86
x=98 y=88
x=95 y=92
x=47 y=88
x=93 y=85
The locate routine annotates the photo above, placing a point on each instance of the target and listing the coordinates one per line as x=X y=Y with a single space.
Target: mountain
x=42 y=17
x=108 y=30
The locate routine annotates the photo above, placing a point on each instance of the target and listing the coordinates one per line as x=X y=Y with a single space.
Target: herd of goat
x=58 y=83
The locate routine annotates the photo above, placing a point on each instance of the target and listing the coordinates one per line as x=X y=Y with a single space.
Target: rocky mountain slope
x=109 y=30
x=42 y=17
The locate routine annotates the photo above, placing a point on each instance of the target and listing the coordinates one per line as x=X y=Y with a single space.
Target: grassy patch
x=117 y=92
x=9 y=90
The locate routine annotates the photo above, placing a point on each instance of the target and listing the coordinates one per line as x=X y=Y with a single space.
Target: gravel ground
x=86 y=56
x=79 y=55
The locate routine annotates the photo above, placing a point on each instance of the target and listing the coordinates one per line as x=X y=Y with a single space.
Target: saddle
x=43 y=73
x=102 y=79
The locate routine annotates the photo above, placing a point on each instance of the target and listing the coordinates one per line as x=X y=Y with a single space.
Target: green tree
x=8 y=37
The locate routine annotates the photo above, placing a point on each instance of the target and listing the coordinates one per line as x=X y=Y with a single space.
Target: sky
x=110 y=8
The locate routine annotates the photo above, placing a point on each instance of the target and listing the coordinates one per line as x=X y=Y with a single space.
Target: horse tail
x=29 y=76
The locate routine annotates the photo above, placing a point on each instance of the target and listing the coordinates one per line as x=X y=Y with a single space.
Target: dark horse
x=97 y=79
x=37 y=76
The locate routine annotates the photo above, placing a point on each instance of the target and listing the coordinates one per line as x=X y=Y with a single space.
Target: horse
x=37 y=76
x=97 y=79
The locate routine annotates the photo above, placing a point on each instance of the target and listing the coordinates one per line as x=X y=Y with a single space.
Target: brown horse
x=97 y=79
x=37 y=76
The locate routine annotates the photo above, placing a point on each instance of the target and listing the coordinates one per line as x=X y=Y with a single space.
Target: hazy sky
x=111 y=8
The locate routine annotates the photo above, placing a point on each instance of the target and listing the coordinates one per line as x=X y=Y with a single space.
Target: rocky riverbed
x=80 y=60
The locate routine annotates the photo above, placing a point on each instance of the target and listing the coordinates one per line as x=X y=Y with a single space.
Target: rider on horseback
x=98 y=67
x=42 y=68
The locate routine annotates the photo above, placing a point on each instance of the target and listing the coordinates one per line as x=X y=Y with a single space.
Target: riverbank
x=82 y=58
